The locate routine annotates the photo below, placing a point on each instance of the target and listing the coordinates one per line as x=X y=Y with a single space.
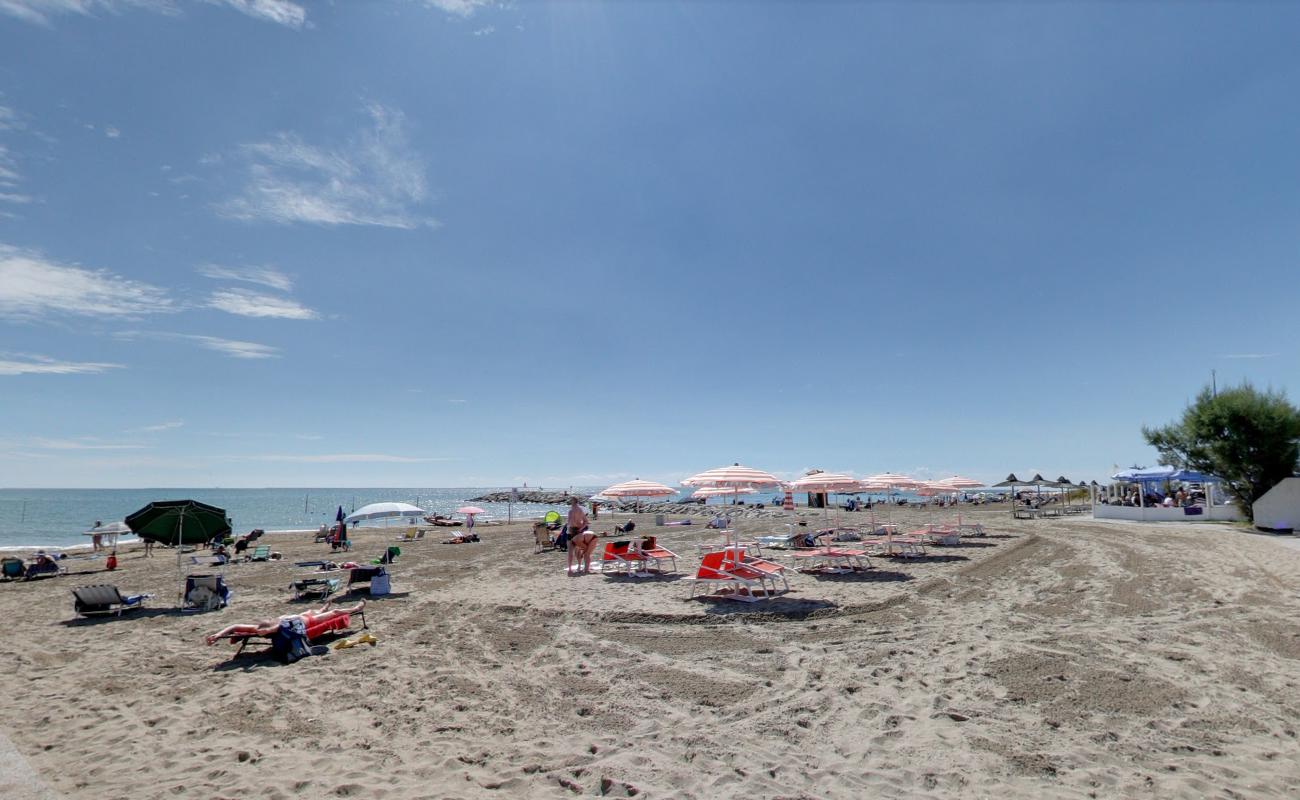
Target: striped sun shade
x=639 y=488
x=826 y=482
x=734 y=475
x=892 y=481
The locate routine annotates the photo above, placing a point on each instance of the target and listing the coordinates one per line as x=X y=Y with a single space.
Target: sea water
x=59 y=517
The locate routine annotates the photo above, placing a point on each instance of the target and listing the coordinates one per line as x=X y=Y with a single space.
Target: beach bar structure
x=1154 y=480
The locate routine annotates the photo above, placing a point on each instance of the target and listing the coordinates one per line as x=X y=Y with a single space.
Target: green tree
x=1249 y=438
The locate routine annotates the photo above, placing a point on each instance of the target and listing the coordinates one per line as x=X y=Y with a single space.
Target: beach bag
x=289 y=642
x=379 y=585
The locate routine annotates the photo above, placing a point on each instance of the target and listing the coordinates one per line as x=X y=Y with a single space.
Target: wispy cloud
x=230 y=347
x=235 y=348
x=254 y=304
x=111 y=132
x=339 y=458
x=10 y=120
x=162 y=426
x=1250 y=355
x=263 y=276
x=282 y=12
x=374 y=179
x=42 y=12
x=460 y=8
x=33 y=286
x=83 y=443
x=18 y=364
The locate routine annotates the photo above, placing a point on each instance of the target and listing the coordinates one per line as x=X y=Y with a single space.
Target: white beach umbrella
x=385 y=511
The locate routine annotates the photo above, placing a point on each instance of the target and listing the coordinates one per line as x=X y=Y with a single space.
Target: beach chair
x=390 y=555
x=11 y=569
x=205 y=593
x=365 y=575
x=320 y=587
x=943 y=536
x=542 y=537
x=260 y=553
x=207 y=561
x=654 y=553
x=745 y=562
x=104 y=599
x=411 y=535
x=717 y=573
x=624 y=557
x=313 y=629
x=47 y=569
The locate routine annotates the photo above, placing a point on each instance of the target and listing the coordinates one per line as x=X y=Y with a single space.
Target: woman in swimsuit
x=267 y=627
x=581 y=542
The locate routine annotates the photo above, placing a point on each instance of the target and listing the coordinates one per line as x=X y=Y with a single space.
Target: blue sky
x=448 y=243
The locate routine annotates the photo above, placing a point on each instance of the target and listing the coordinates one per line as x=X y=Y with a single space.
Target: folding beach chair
x=321 y=587
x=104 y=599
x=205 y=593
x=261 y=553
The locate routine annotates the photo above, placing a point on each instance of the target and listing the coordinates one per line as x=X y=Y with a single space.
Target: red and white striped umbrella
x=722 y=491
x=960 y=484
x=825 y=482
x=819 y=482
x=639 y=488
x=732 y=477
x=893 y=480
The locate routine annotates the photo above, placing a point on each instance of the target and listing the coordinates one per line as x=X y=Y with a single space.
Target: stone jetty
x=530 y=496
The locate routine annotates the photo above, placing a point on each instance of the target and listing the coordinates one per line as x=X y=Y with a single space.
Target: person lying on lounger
x=266 y=627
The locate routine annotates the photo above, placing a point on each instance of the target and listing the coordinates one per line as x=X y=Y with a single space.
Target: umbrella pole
x=180 y=535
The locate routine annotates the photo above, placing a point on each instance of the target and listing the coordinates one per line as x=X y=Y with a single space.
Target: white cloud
x=341 y=458
x=1250 y=355
x=83 y=443
x=263 y=276
x=162 y=426
x=373 y=179
x=254 y=304
x=235 y=348
x=41 y=12
x=32 y=286
x=231 y=347
x=282 y=12
x=18 y=364
x=112 y=132
x=460 y=8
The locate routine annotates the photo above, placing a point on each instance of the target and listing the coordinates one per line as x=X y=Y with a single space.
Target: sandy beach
x=1052 y=658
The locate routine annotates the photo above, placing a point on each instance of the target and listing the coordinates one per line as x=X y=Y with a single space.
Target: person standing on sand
x=148 y=548
x=581 y=543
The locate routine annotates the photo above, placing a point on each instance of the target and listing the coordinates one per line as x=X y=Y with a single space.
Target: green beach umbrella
x=178 y=522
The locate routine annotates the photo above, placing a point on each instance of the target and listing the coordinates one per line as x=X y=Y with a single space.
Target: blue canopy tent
x=1154 y=476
